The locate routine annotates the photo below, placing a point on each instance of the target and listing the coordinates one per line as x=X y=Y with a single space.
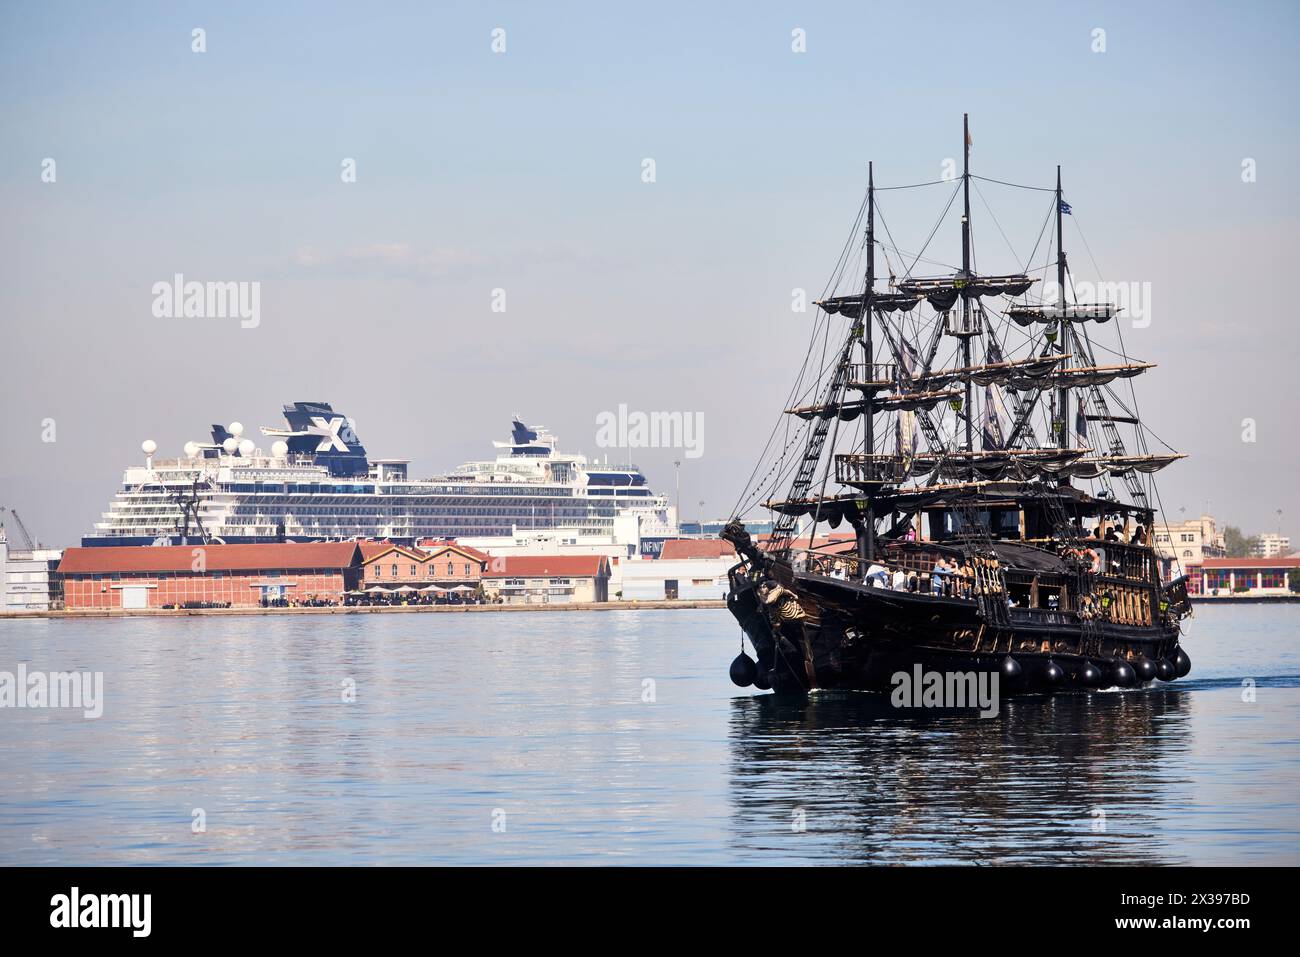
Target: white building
x=27 y=579
x=1271 y=545
x=1189 y=543
x=625 y=542
x=647 y=579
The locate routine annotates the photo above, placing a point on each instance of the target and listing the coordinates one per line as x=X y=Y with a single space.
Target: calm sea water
x=615 y=737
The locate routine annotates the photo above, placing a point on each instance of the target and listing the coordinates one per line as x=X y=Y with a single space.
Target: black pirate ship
x=1026 y=554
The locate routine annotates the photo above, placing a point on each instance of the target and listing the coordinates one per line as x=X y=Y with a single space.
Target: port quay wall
x=370 y=609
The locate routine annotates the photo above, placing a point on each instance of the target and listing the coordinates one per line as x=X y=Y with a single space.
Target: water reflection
x=1065 y=779
x=549 y=717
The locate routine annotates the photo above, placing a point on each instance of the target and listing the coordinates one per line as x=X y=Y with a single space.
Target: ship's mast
x=965 y=271
x=1063 y=394
x=867 y=542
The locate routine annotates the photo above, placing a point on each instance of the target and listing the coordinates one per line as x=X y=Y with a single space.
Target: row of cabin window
x=451 y=570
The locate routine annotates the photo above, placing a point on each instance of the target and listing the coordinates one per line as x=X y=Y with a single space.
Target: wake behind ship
x=961 y=417
x=317 y=483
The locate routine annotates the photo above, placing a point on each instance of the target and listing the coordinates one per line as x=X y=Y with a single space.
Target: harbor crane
x=22 y=531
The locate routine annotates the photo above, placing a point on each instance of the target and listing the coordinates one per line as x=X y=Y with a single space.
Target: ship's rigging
x=1023 y=393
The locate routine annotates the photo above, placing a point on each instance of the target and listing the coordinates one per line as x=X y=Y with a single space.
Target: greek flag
x=1065 y=208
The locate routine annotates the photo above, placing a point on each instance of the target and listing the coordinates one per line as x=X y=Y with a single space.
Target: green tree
x=1237 y=544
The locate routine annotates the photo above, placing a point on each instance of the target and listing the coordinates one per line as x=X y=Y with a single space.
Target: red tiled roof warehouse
x=440 y=564
x=238 y=575
x=548 y=579
x=543 y=566
x=434 y=545
x=696 y=548
x=371 y=550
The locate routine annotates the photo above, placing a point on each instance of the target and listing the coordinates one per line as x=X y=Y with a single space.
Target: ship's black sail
x=962 y=455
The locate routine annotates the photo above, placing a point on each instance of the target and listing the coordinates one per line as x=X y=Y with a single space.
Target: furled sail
x=871 y=470
x=1028 y=315
x=850 y=410
x=832 y=510
x=943 y=293
x=1119 y=464
x=836 y=508
x=1018 y=373
x=998 y=463
x=1092 y=467
x=911 y=401
x=847 y=411
x=1082 y=376
x=851 y=306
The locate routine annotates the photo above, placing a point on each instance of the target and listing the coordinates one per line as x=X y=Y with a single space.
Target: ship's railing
x=882 y=374
x=855 y=468
x=192 y=465
x=1136 y=562
x=918 y=576
x=1117 y=559
x=256 y=460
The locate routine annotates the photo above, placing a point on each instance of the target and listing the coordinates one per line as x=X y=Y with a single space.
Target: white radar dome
x=191 y=449
x=279 y=448
x=148 y=446
x=235 y=428
x=246 y=447
x=230 y=445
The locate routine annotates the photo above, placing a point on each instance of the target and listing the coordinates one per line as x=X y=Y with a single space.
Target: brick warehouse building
x=241 y=575
x=433 y=565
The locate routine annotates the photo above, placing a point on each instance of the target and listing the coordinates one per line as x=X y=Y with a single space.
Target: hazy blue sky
x=522 y=171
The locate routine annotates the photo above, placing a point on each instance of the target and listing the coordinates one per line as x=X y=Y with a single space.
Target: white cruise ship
x=316 y=483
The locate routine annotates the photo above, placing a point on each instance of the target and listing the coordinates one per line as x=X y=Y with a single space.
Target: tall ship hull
x=316 y=483
x=814 y=630
x=1002 y=524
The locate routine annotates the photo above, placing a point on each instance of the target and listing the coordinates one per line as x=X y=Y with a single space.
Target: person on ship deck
x=939 y=576
x=877 y=576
